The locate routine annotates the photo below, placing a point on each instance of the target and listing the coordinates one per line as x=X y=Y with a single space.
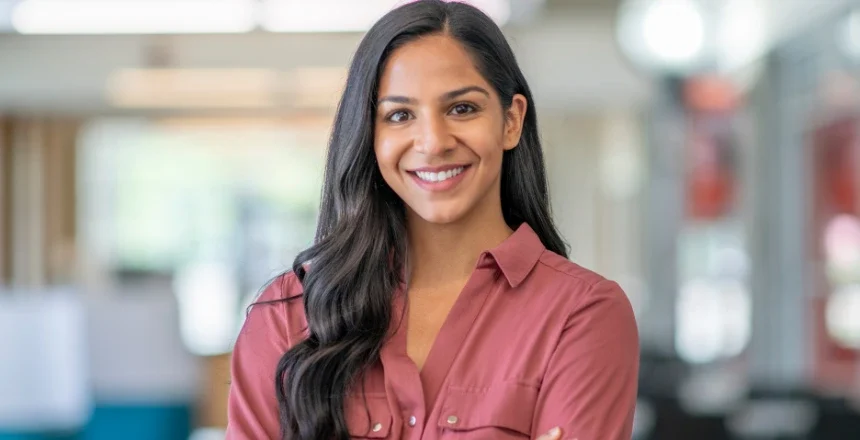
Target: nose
x=434 y=136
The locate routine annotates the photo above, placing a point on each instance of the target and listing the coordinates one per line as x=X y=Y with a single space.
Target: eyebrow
x=445 y=97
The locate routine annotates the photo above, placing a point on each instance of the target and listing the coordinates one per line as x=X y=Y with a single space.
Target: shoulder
x=282 y=287
x=563 y=271
x=270 y=329
x=278 y=312
x=583 y=293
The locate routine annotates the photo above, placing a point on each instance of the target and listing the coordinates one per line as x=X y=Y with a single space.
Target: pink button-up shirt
x=533 y=342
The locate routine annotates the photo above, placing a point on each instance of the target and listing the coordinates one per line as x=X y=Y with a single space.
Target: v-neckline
x=432 y=313
x=447 y=342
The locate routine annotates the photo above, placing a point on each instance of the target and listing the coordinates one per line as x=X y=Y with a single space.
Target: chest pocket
x=503 y=410
x=372 y=420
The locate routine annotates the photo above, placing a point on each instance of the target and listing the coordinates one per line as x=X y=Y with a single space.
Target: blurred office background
x=160 y=161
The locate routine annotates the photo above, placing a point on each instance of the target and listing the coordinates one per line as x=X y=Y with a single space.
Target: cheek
x=485 y=136
x=388 y=158
x=489 y=148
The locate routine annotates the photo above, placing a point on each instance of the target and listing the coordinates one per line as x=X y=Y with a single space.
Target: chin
x=440 y=216
x=440 y=219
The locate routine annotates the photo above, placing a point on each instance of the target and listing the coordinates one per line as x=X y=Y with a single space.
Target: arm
x=590 y=386
x=252 y=411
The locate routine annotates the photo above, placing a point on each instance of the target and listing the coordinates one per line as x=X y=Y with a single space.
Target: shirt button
x=452 y=420
x=412 y=421
x=377 y=427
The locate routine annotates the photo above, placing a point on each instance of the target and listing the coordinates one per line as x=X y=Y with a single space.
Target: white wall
x=595 y=166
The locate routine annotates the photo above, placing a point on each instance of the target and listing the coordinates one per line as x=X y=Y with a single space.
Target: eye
x=463 y=109
x=398 y=116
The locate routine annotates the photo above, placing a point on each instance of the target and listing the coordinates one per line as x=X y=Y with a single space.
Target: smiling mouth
x=441 y=176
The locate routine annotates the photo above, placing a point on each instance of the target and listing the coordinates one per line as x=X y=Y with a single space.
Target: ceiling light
x=674 y=30
x=133 y=16
x=849 y=35
x=322 y=15
x=663 y=35
x=742 y=35
x=349 y=15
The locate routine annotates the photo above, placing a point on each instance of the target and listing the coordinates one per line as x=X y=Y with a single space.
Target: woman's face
x=441 y=132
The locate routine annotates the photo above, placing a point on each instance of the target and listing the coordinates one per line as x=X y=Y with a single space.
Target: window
x=219 y=205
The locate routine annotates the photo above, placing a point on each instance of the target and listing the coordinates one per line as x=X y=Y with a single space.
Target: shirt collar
x=518 y=254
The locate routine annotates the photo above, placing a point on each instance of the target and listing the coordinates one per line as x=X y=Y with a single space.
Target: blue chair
x=145 y=382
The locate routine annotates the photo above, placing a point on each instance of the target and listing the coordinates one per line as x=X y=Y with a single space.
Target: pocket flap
x=370 y=420
x=507 y=405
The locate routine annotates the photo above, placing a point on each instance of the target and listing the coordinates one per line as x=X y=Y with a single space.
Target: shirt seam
x=480 y=389
x=576 y=277
x=576 y=306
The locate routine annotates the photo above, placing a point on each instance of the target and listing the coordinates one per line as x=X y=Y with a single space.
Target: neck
x=448 y=253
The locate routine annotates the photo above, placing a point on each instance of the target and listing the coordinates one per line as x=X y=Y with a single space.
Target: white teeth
x=440 y=176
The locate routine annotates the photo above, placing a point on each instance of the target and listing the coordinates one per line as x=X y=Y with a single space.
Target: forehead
x=430 y=64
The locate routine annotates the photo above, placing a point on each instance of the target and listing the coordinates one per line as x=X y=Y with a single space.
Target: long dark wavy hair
x=356 y=263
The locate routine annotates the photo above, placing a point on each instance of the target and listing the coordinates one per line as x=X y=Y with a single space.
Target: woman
x=436 y=301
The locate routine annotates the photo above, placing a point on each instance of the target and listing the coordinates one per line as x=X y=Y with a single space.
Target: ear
x=514 y=117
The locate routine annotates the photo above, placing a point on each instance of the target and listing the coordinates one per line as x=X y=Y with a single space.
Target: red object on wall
x=710 y=177
x=711 y=94
x=834 y=170
x=836 y=164
x=711 y=180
